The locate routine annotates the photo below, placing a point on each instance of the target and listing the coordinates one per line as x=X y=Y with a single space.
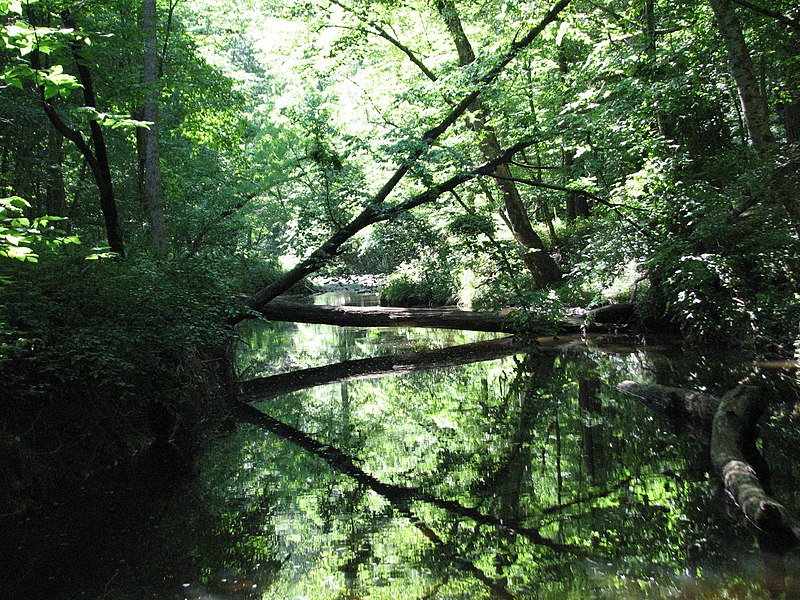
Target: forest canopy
x=656 y=146
x=211 y=155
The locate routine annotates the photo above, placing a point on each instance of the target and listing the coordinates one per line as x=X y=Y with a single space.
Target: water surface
x=527 y=476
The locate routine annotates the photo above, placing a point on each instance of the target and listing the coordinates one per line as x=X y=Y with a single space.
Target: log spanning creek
x=429 y=463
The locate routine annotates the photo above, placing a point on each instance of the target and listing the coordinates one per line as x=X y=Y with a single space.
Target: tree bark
x=790 y=111
x=732 y=439
x=543 y=268
x=754 y=108
x=150 y=161
x=101 y=168
x=378 y=316
x=594 y=321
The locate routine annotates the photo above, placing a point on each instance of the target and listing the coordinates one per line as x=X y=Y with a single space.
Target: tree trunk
x=100 y=165
x=543 y=268
x=373 y=213
x=732 y=442
x=606 y=319
x=685 y=410
x=577 y=203
x=790 y=114
x=790 y=111
x=754 y=108
x=591 y=410
x=400 y=496
x=150 y=159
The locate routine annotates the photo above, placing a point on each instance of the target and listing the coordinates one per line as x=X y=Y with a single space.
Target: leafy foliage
x=429 y=285
x=90 y=347
x=19 y=234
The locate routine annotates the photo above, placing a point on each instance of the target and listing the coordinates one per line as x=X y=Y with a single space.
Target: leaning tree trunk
x=732 y=439
x=543 y=268
x=266 y=388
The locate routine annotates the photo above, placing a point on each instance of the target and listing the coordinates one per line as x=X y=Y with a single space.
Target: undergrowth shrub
x=428 y=285
x=89 y=348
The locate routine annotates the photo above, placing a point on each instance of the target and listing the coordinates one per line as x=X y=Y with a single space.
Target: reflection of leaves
x=495 y=436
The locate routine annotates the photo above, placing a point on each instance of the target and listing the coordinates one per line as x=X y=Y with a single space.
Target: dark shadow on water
x=49 y=552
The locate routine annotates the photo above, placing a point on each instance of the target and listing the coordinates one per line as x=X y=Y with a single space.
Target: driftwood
x=264 y=388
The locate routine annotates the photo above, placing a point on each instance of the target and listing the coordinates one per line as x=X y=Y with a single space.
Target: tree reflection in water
x=524 y=476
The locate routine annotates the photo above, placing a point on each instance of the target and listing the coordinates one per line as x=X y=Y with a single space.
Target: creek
x=524 y=476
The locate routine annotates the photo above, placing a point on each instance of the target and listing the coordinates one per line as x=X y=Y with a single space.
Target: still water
x=524 y=476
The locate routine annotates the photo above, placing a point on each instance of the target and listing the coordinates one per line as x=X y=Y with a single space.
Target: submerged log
x=732 y=440
x=686 y=410
x=734 y=456
x=264 y=388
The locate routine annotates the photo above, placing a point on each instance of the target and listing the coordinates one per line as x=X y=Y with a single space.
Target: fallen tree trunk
x=438 y=318
x=377 y=316
x=264 y=388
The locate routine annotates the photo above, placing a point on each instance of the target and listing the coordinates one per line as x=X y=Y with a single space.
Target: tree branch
x=167 y=30
x=773 y=14
x=381 y=32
